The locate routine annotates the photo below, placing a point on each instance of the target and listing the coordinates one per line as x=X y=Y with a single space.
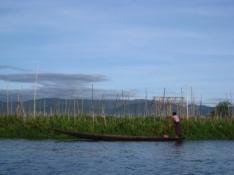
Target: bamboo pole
x=146 y=103
x=187 y=110
x=123 y=103
x=22 y=109
x=200 y=107
x=77 y=107
x=11 y=107
x=7 y=103
x=92 y=106
x=164 y=105
x=181 y=102
x=231 y=104
x=35 y=93
x=82 y=107
x=74 y=108
x=103 y=109
x=66 y=108
x=44 y=107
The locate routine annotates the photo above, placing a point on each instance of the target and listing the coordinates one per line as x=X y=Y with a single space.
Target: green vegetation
x=222 y=109
x=40 y=127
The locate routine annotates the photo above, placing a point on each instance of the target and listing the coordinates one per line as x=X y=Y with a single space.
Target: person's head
x=173 y=113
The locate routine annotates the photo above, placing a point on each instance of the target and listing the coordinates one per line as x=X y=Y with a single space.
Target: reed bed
x=41 y=127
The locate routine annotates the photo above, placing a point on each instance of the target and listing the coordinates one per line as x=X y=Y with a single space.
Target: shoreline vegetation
x=15 y=127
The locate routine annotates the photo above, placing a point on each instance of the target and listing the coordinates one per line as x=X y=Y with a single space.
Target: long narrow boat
x=105 y=137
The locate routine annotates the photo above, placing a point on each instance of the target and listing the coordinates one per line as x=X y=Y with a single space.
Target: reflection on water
x=56 y=157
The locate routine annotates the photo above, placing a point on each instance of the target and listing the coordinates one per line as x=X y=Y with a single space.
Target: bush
x=223 y=109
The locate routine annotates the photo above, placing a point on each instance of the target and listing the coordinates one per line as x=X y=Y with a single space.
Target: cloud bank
x=6 y=67
x=58 y=85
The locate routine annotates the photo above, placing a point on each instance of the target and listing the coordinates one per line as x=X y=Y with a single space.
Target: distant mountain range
x=137 y=107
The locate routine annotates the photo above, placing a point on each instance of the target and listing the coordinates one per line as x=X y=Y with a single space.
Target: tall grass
x=41 y=127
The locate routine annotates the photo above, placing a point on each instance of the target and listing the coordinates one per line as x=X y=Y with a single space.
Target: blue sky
x=135 y=44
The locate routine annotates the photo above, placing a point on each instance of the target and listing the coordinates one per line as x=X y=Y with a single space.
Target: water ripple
x=116 y=158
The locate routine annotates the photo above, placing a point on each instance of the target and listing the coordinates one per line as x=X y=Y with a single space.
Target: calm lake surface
x=80 y=157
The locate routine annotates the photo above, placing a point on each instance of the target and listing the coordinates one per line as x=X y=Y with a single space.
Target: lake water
x=110 y=158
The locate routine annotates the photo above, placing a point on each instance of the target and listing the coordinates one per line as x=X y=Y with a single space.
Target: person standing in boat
x=176 y=120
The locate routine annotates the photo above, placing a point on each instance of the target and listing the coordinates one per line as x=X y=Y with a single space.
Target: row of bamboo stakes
x=160 y=106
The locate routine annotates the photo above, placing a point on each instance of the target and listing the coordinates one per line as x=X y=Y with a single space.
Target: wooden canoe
x=105 y=137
